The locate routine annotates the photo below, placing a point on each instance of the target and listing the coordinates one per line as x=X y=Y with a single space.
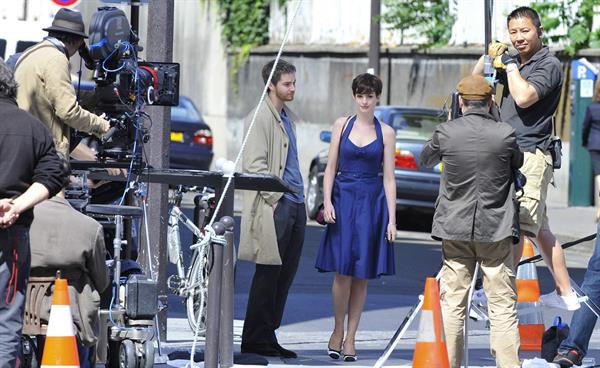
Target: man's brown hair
x=283 y=67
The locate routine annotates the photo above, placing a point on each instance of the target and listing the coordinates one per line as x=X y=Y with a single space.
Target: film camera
x=124 y=84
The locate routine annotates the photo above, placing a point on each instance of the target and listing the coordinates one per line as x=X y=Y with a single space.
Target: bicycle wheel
x=198 y=289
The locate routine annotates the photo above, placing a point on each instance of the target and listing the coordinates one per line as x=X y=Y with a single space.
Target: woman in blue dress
x=359 y=191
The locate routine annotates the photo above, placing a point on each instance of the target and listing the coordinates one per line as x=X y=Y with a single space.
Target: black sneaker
x=568 y=358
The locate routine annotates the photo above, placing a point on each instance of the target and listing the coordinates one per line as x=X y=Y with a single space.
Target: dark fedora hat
x=68 y=21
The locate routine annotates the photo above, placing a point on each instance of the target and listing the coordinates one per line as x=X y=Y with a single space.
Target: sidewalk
x=308 y=336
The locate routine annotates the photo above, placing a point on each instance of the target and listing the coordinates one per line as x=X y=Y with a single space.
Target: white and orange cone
x=431 y=350
x=531 y=324
x=60 y=348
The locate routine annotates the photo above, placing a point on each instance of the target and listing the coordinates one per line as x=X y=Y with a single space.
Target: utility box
x=581 y=186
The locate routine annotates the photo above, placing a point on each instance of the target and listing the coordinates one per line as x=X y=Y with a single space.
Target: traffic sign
x=582 y=69
x=66 y=2
x=126 y=2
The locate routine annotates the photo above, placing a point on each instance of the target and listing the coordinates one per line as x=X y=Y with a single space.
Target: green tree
x=245 y=25
x=430 y=18
x=569 y=22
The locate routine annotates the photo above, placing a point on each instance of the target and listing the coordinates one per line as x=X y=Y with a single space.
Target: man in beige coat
x=45 y=88
x=273 y=224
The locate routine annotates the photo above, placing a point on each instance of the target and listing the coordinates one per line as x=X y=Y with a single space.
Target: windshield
x=184 y=111
x=414 y=125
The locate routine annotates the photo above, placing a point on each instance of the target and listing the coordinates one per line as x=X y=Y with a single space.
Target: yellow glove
x=496 y=49
x=501 y=61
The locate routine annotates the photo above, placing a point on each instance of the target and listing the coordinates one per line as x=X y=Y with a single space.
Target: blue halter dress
x=356 y=245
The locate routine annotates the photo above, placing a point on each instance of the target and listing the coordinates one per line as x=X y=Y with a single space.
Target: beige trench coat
x=45 y=91
x=265 y=153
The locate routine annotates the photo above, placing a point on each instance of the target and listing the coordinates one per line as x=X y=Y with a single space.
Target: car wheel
x=314 y=196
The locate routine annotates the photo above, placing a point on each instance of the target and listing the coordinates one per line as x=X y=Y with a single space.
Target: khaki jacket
x=266 y=153
x=63 y=238
x=45 y=90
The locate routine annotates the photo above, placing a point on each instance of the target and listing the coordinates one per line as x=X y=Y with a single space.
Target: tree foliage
x=569 y=22
x=245 y=25
x=430 y=18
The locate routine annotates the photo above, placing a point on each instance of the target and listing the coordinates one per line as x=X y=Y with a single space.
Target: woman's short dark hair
x=525 y=12
x=283 y=67
x=8 y=85
x=367 y=83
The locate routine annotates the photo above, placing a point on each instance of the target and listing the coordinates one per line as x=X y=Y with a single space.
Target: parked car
x=191 y=144
x=191 y=138
x=416 y=186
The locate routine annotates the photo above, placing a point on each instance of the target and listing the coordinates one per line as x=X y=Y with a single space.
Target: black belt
x=65 y=273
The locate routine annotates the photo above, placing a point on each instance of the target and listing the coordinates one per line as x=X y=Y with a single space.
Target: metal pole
x=159 y=48
x=402 y=329
x=399 y=333
x=135 y=16
x=488 y=70
x=213 y=314
x=227 y=286
x=469 y=301
x=488 y=24
x=374 y=38
x=589 y=302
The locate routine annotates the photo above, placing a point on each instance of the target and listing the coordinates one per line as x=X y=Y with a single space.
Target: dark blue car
x=191 y=138
x=416 y=186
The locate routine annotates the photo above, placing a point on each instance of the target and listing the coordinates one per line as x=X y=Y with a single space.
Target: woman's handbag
x=320 y=215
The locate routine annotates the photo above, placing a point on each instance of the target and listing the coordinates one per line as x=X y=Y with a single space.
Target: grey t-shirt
x=534 y=123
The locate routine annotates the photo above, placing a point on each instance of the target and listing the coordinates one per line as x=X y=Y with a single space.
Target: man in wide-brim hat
x=67 y=21
x=45 y=88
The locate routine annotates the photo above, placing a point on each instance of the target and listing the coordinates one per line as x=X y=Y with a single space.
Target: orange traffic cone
x=531 y=324
x=431 y=350
x=60 y=348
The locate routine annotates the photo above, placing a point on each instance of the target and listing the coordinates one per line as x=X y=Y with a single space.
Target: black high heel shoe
x=350 y=357
x=334 y=354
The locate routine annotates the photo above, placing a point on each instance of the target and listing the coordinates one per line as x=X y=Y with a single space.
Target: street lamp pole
x=159 y=48
x=375 y=36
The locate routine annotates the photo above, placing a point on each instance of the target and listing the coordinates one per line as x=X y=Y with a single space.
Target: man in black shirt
x=532 y=82
x=30 y=172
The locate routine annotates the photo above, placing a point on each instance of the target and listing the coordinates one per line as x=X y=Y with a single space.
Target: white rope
x=239 y=156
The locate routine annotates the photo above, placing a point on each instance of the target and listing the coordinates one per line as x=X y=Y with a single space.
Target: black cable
x=564 y=246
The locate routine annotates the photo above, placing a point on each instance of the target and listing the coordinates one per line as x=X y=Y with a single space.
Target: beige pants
x=496 y=263
x=537 y=167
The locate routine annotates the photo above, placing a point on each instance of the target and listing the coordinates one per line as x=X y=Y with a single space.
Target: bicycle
x=193 y=284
